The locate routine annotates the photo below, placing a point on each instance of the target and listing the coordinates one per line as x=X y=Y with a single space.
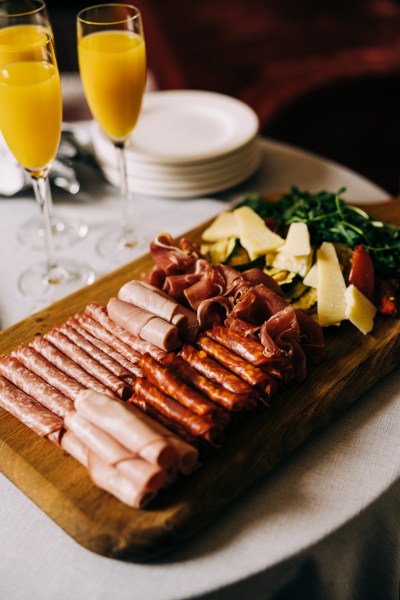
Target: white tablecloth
x=323 y=525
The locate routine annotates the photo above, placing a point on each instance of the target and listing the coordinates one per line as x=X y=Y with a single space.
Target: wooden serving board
x=63 y=490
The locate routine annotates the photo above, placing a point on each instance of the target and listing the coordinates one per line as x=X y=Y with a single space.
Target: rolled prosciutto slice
x=195 y=424
x=94 y=352
x=91 y=366
x=214 y=371
x=131 y=367
x=144 y=324
x=110 y=451
x=99 y=314
x=131 y=430
x=169 y=383
x=214 y=391
x=34 y=386
x=68 y=366
x=254 y=376
x=30 y=412
x=35 y=362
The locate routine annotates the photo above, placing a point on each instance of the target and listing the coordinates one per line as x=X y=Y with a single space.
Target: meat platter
x=98 y=521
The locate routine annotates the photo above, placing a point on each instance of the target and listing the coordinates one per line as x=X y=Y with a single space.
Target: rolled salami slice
x=134 y=432
x=169 y=383
x=214 y=371
x=99 y=314
x=195 y=424
x=98 y=355
x=35 y=362
x=213 y=391
x=132 y=368
x=118 y=484
x=248 y=349
x=34 y=386
x=68 y=366
x=111 y=452
x=91 y=366
x=144 y=324
x=30 y=412
x=254 y=376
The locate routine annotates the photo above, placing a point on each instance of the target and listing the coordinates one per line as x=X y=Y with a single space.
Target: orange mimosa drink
x=113 y=71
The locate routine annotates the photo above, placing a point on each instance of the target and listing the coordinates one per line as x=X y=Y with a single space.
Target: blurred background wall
x=321 y=74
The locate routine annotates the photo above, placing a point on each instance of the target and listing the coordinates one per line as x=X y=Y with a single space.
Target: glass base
x=66 y=232
x=120 y=248
x=67 y=277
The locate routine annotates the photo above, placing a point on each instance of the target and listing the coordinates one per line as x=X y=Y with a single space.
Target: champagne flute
x=31 y=18
x=112 y=64
x=30 y=121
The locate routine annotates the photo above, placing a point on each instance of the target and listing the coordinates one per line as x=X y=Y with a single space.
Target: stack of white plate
x=186 y=144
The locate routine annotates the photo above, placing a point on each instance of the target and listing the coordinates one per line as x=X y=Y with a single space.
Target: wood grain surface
x=98 y=521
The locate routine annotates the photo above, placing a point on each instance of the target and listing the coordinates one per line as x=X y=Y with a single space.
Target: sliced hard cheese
x=254 y=235
x=224 y=226
x=295 y=264
x=331 y=287
x=311 y=279
x=297 y=241
x=359 y=310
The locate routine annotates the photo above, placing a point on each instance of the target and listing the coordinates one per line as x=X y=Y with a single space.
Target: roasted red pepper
x=387 y=297
x=362 y=272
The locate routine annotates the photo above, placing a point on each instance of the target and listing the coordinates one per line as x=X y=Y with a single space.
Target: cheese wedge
x=254 y=235
x=331 y=287
x=224 y=226
x=297 y=241
x=359 y=310
x=295 y=264
x=311 y=279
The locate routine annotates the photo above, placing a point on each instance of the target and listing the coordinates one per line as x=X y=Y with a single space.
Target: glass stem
x=126 y=213
x=43 y=198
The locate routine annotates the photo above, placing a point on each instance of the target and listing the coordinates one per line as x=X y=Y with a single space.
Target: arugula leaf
x=331 y=219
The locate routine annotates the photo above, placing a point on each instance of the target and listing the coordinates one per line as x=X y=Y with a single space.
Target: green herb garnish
x=331 y=219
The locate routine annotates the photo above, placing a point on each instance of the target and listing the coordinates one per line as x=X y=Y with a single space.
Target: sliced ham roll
x=111 y=452
x=36 y=363
x=91 y=366
x=214 y=371
x=30 y=412
x=214 y=391
x=144 y=324
x=99 y=313
x=75 y=447
x=127 y=426
x=130 y=366
x=34 y=386
x=68 y=366
x=169 y=383
x=94 y=352
x=198 y=426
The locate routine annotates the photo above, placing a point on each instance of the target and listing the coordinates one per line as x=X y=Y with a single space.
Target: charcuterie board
x=63 y=490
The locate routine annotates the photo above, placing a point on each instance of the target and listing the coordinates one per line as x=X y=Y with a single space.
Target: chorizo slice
x=248 y=349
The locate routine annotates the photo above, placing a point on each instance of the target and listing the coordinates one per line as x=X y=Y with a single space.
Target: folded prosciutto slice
x=30 y=412
x=144 y=324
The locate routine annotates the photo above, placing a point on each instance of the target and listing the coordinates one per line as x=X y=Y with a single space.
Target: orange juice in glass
x=112 y=65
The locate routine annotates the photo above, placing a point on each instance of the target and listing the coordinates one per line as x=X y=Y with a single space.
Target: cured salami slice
x=91 y=366
x=195 y=424
x=214 y=371
x=144 y=324
x=35 y=362
x=169 y=383
x=128 y=426
x=213 y=391
x=252 y=375
x=132 y=368
x=68 y=366
x=94 y=352
x=34 y=386
x=30 y=412
x=248 y=349
x=99 y=314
